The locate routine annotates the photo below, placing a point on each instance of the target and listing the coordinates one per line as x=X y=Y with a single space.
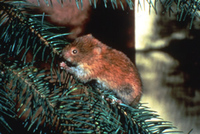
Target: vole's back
x=118 y=73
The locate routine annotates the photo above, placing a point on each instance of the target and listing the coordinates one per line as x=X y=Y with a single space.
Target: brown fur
x=110 y=68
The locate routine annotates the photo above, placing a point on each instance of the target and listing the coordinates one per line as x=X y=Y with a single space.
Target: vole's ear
x=97 y=50
x=89 y=35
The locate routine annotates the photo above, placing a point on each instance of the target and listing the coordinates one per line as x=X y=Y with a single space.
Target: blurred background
x=168 y=59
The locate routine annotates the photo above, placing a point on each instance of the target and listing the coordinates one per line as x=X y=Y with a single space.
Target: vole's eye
x=74 y=51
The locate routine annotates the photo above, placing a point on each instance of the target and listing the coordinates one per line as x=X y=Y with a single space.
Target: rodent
x=89 y=59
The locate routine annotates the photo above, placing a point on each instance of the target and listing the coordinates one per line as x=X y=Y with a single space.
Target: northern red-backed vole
x=89 y=59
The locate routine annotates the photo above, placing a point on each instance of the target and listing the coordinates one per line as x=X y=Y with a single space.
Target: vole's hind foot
x=112 y=101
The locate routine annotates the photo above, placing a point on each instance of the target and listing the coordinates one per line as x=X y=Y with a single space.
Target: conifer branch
x=51 y=101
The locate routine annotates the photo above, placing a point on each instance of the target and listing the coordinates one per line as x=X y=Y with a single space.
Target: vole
x=90 y=60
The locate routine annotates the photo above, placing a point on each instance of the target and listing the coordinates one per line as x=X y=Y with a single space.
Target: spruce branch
x=22 y=85
x=27 y=32
x=51 y=101
x=183 y=8
x=79 y=3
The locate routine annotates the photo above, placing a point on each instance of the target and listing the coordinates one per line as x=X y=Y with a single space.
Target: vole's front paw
x=63 y=65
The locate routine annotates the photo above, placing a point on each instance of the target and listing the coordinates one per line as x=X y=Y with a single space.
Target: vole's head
x=81 y=50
